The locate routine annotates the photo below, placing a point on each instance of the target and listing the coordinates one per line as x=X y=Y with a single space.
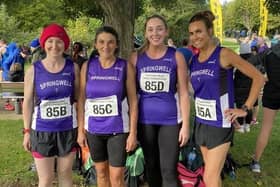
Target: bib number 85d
x=154 y=85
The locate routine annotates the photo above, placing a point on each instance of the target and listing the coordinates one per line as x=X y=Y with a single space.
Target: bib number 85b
x=56 y=111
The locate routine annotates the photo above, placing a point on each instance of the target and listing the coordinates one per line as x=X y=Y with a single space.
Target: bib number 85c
x=102 y=109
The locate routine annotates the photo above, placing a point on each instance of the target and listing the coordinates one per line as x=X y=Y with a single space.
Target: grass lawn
x=232 y=44
x=15 y=162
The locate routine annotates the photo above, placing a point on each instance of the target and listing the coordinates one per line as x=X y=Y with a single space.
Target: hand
x=184 y=136
x=82 y=139
x=131 y=142
x=26 y=142
x=232 y=114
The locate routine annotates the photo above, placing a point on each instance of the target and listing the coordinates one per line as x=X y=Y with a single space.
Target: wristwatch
x=245 y=109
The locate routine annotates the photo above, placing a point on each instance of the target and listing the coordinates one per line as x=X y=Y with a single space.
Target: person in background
x=77 y=54
x=37 y=53
x=170 y=43
x=51 y=89
x=211 y=73
x=254 y=40
x=10 y=56
x=163 y=95
x=270 y=102
x=259 y=65
x=242 y=86
x=3 y=54
x=107 y=108
x=3 y=48
x=185 y=50
x=262 y=45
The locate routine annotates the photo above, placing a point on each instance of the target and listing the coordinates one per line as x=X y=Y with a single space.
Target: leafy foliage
x=83 y=29
x=9 y=28
x=273 y=6
x=242 y=14
x=176 y=12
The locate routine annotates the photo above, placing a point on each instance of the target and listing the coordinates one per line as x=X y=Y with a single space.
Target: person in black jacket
x=270 y=101
x=242 y=85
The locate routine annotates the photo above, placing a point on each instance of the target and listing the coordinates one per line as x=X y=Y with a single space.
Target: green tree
x=273 y=6
x=176 y=12
x=246 y=13
x=34 y=14
x=82 y=29
x=9 y=28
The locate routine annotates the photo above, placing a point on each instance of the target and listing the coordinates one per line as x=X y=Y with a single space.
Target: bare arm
x=183 y=92
x=230 y=59
x=133 y=104
x=81 y=104
x=28 y=102
x=77 y=81
x=28 y=105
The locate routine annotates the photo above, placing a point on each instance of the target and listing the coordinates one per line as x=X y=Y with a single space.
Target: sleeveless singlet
x=156 y=86
x=106 y=109
x=54 y=96
x=213 y=90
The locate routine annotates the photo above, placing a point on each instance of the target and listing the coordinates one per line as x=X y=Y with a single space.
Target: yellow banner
x=263 y=18
x=216 y=8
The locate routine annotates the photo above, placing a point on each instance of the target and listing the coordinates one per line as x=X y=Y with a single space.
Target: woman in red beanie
x=49 y=111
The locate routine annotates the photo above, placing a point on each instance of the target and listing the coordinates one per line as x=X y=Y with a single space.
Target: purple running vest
x=54 y=95
x=213 y=90
x=106 y=110
x=156 y=82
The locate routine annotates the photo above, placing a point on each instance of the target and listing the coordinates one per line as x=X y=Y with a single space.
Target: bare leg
x=117 y=176
x=45 y=170
x=267 y=122
x=214 y=160
x=102 y=171
x=64 y=170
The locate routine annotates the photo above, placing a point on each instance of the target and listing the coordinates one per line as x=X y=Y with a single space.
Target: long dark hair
x=106 y=29
x=207 y=17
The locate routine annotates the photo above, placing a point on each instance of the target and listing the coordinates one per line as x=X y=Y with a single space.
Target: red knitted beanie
x=54 y=30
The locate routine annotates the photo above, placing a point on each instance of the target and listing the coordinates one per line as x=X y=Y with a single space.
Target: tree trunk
x=121 y=15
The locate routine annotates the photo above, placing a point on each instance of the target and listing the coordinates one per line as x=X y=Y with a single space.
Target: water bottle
x=232 y=175
x=191 y=158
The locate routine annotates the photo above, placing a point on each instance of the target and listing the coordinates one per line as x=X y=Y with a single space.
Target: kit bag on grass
x=189 y=178
x=191 y=167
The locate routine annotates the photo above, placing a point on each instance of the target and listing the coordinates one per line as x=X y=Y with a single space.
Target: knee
x=64 y=172
x=211 y=179
x=117 y=180
x=102 y=175
x=46 y=180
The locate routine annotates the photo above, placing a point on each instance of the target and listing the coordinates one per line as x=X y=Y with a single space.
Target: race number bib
x=102 y=107
x=205 y=109
x=55 y=109
x=155 y=82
